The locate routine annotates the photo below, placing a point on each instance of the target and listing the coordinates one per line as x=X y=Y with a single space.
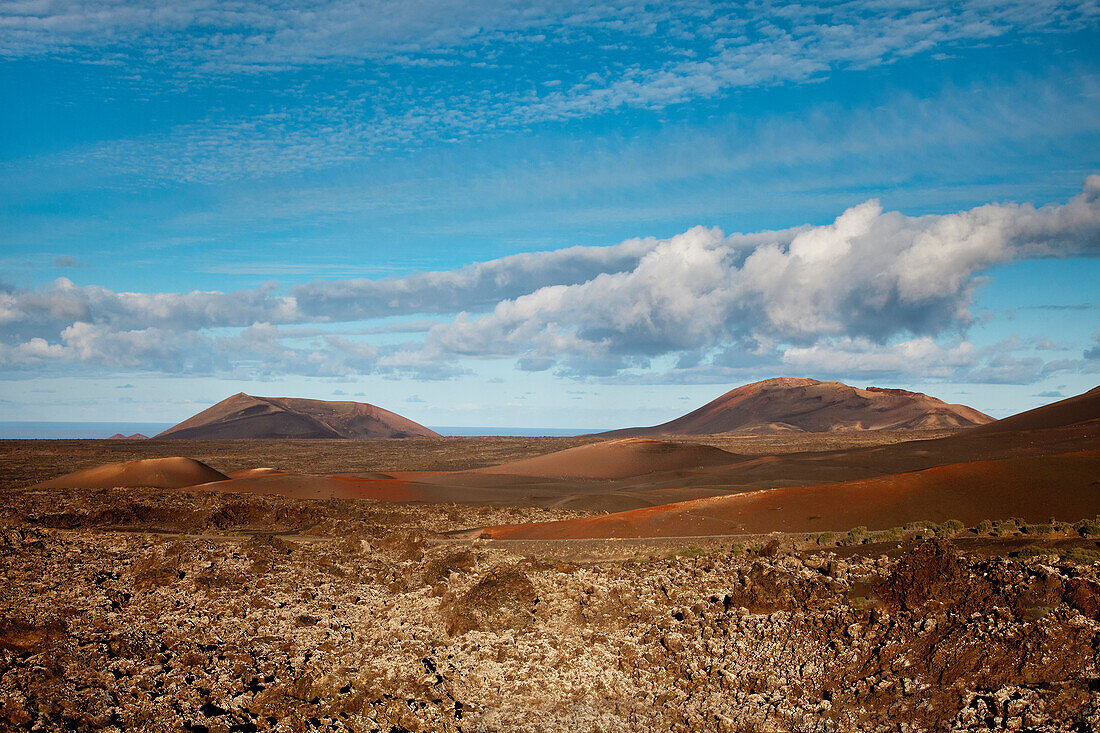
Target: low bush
x=950 y=528
x=1088 y=528
x=1033 y=551
x=856 y=536
x=1082 y=555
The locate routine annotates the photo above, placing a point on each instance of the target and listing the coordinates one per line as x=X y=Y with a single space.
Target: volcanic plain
x=871 y=580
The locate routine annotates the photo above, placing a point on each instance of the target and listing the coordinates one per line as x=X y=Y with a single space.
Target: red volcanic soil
x=499 y=490
x=246 y=416
x=616 y=459
x=1066 y=487
x=164 y=473
x=300 y=486
x=808 y=405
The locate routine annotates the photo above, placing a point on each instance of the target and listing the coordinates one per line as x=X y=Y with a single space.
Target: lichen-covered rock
x=504 y=599
x=367 y=620
x=930 y=573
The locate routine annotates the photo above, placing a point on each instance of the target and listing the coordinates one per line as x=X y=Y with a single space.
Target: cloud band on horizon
x=787 y=298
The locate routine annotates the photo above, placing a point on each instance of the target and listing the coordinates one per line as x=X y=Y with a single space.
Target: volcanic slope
x=162 y=473
x=1066 y=487
x=611 y=476
x=616 y=459
x=1067 y=426
x=1036 y=465
x=246 y=416
x=808 y=405
x=628 y=474
x=1082 y=410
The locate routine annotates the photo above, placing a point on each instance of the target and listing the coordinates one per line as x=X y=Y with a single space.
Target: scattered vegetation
x=894 y=534
x=1082 y=555
x=1034 y=551
x=1014 y=527
x=856 y=536
x=1088 y=527
x=950 y=528
x=689 y=551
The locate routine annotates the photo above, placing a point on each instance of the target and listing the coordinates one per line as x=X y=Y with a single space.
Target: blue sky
x=562 y=215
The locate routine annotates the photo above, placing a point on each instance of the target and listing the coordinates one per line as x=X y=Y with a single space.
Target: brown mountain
x=808 y=405
x=246 y=416
x=1036 y=465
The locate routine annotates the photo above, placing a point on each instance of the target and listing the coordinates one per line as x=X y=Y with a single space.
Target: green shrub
x=856 y=536
x=1034 y=551
x=950 y=528
x=889 y=535
x=1039 y=529
x=1082 y=555
x=984 y=527
x=1088 y=527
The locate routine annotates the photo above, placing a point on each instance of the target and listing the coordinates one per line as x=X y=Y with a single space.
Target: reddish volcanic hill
x=1066 y=487
x=1082 y=409
x=245 y=416
x=163 y=473
x=135 y=436
x=807 y=405
x=616 y=459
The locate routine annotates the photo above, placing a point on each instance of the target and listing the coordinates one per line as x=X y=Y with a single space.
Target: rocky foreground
x=363 y=618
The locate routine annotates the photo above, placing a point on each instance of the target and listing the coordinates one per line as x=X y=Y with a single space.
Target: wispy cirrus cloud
x=578 y=60
x=872 y=292
x=746 y=45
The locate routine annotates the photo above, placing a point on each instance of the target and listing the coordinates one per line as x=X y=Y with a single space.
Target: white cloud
x=211 y=36
x=921 y=357
x=582 y=60
x=64 y=303
x=473 y=287
x=826 y=297
x=871 y=274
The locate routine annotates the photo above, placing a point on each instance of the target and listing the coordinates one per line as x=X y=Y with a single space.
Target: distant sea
x=72 y=430
x=76 y=430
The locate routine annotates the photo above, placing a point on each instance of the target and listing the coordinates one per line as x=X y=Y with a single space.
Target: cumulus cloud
x=921 y=357
x=870 y=274
x=999 y=363
x=870 y=292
